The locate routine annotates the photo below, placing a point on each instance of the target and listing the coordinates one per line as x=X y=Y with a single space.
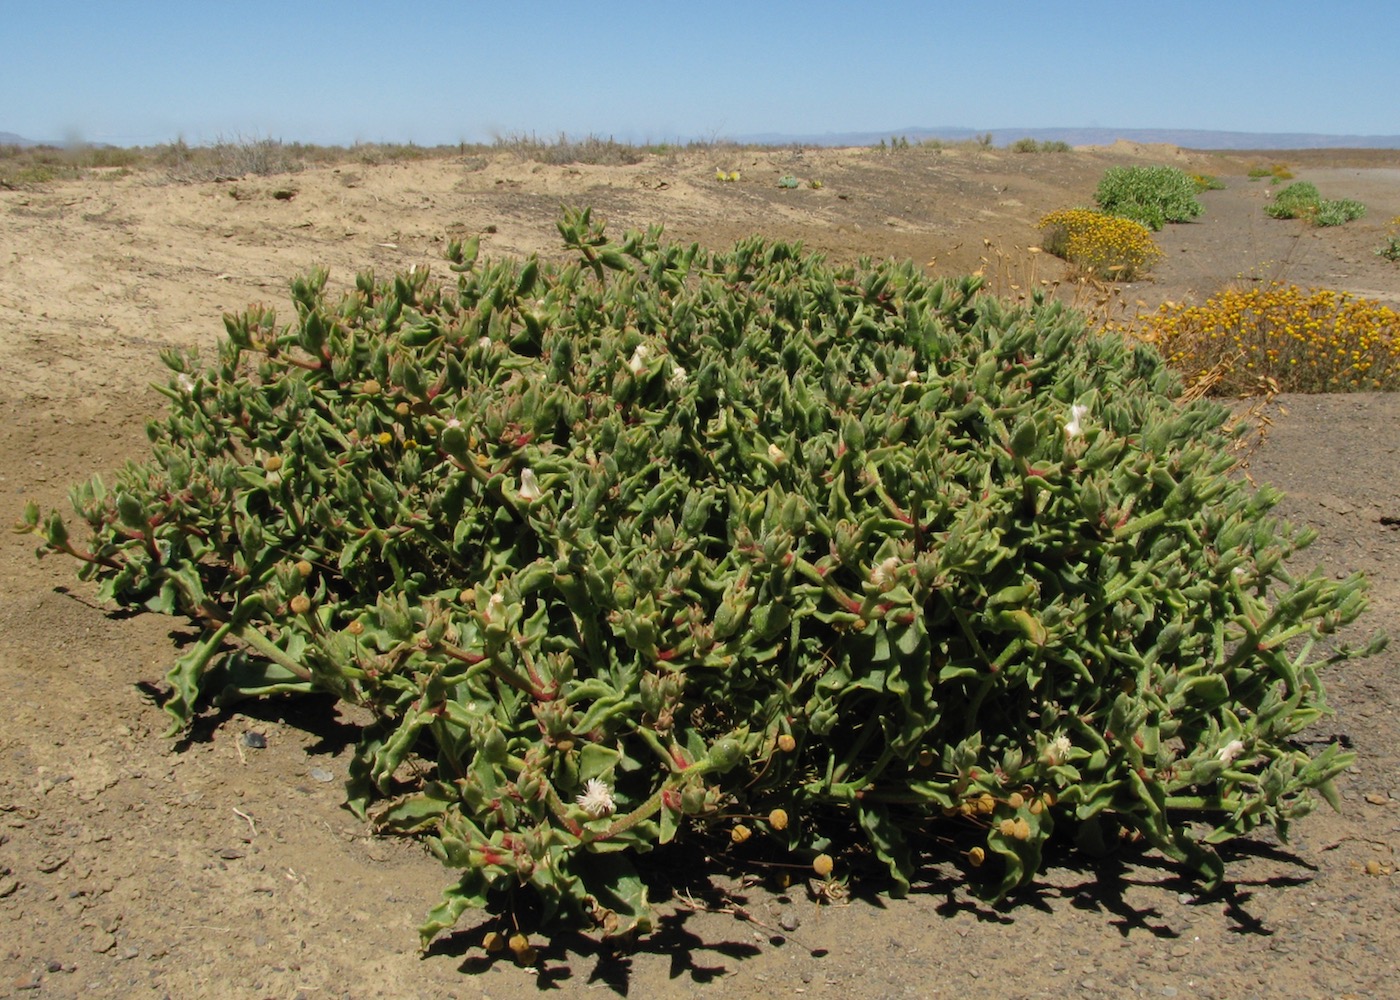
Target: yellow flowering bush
x=1103 y=246
x=1315 y=340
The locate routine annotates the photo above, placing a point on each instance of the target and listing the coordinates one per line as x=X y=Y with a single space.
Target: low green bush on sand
x=660 y=545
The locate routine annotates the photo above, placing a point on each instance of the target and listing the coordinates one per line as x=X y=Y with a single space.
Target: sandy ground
x=129 y=867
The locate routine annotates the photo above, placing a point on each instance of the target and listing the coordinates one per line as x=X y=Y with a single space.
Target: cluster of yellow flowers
x=1101 y=245
x=1314 y=340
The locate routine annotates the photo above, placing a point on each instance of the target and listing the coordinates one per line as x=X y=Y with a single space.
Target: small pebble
x=789 y=920
x=254 y=741
x=321 y=774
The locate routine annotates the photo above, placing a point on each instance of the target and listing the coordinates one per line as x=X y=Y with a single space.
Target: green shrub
x=658 y=544
x=1298 y=200
x=1152 y=196
x=1302 y=200
x=1337 y=212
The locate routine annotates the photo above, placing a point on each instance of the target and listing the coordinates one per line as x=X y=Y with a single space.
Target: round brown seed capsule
x=300 y=604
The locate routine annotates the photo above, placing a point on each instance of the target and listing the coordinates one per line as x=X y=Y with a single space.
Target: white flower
x=185 y=383
x=1058 y=749
x=776 y=454
x=1231 y=750
x=453 y=422
x=638 y=359
x=885 y=571
x=529 y=486
x=596 y=800
x=1076 y=414
x=484 y=343
x=912 y=378
x=678 y=378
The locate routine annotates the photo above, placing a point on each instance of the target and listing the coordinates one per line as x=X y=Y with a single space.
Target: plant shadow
x=700 y=955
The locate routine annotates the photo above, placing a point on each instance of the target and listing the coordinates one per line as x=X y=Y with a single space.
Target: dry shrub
x=1316 y=340
x=563 y=151
x=1099 y=245
x=227 y=159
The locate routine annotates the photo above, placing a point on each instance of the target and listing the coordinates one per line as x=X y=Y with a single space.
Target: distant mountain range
x=1186 y=138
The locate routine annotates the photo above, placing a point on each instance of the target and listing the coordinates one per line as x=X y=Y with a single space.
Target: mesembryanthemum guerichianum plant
x=660 y=539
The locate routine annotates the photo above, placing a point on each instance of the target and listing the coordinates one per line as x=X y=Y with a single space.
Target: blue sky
x=133 y=73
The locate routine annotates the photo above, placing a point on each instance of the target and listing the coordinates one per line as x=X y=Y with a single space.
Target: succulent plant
x=656 y=540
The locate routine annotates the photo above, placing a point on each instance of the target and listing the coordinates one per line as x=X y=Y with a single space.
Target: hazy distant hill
x=1187 y=138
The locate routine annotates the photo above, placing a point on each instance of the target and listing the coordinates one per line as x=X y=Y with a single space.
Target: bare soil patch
x=217 y=868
